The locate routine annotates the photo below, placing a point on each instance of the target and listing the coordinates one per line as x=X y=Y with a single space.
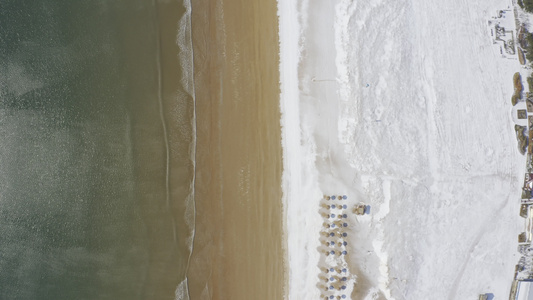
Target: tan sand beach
x=238 y=248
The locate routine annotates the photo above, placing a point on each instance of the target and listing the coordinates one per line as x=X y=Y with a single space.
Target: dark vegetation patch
x=518 y=88
x=526 y=43
x=521 y=57
x=527 y=5
x=522 y=138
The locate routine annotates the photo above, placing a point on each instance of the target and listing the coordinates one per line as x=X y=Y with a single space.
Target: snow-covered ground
x=403 y=105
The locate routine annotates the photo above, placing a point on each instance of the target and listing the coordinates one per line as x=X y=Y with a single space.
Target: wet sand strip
x=238 y=248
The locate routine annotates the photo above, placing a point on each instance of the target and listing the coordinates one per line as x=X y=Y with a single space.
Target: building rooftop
x=524 y=290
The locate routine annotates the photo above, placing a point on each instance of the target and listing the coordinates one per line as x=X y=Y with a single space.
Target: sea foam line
x=186 y=59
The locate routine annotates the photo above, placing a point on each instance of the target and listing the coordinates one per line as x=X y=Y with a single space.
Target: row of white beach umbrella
x=333 y=279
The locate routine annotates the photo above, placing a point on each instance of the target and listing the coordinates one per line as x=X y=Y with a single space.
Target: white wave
x=182 y=291
x=186 y=59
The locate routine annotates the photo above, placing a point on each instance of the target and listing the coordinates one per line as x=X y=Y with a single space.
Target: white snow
x=404 y=105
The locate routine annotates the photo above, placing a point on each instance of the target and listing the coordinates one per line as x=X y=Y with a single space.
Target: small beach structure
x=528 y=182
x=521 y=290
x=360 y=209
x=523 y=238
x=526 y=211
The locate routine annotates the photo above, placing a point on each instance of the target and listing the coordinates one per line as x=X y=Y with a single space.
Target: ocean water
x=107 y=188
x=97 y=140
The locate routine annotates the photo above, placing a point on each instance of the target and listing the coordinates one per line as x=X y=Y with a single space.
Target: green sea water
x=96 y=150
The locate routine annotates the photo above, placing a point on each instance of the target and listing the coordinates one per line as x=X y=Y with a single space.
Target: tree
x=527 y=5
